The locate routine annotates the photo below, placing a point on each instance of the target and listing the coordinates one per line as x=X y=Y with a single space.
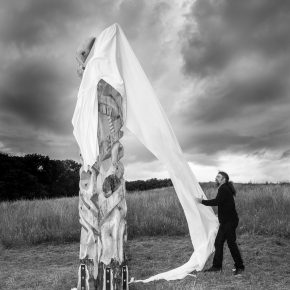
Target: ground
x=54 y=266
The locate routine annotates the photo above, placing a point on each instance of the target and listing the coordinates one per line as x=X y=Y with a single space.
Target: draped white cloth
x=114 y=61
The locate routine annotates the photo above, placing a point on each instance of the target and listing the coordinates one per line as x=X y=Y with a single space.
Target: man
x=229 y=220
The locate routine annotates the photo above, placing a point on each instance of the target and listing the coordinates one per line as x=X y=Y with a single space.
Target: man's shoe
x=213 y=269
x=238 y=271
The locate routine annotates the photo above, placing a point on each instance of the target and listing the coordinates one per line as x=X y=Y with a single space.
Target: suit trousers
x=227 y=232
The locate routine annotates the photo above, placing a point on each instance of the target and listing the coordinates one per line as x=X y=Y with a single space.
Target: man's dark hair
x=228 y=182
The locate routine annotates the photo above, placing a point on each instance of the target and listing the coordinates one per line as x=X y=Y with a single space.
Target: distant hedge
x=141 y=185
x=36 y=176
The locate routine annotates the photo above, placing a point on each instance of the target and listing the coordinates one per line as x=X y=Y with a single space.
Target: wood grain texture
x=102 y=203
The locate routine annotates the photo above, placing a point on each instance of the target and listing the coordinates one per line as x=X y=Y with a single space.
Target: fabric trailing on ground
x=113 y=60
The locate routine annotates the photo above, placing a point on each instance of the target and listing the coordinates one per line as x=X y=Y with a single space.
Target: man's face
x=219 y=179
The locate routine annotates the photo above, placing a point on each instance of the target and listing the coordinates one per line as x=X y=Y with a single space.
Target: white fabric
x=114 y=61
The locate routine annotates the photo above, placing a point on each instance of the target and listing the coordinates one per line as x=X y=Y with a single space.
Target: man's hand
x=198 y=200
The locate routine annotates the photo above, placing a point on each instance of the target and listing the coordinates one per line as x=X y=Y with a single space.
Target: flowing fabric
x=114 y=61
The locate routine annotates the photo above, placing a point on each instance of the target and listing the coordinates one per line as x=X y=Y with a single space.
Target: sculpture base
x=110 y=277
x=113 y=276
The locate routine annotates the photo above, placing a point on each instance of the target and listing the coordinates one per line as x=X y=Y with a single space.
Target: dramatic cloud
x=219 y=68
x=28 y=23
x=35 y=92
x=237 y=53
x=38 y=81
x=229 y=29
x=286 y=154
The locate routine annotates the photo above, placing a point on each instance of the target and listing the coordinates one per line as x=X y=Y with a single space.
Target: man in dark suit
x=229 y=220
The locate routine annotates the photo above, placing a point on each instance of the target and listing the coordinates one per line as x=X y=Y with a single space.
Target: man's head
x=221 y=178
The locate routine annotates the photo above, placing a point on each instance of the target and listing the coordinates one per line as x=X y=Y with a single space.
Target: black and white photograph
x=144 y=145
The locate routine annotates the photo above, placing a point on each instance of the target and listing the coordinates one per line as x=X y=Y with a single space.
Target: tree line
x=36 y=176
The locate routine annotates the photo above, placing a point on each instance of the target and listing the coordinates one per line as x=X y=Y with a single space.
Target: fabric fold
x=114 y=61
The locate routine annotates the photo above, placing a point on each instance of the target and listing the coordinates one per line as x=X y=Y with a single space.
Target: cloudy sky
x=221 y=70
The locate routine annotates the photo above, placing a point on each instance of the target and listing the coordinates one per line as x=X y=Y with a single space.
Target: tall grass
x=263 y=209
x=155 y=212
x=32 y=222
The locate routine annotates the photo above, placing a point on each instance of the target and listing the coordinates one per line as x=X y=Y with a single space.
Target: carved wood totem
x=102 y=204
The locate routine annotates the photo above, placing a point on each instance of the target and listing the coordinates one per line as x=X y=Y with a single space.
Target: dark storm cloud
x=38 y=79
x=25 y=141
x=237 y=99
x=212 y=141
x=35 y=92
x=239 y=49
x=228 y=28
x=19 y=143
x=131 y=12
x=38 y=83
x=31 y=23
x=286 y=154
x=28 y=23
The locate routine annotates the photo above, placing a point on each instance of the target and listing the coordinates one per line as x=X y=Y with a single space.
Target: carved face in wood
x=82 y=54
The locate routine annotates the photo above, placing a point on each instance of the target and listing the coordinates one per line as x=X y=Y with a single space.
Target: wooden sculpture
x=102 y=204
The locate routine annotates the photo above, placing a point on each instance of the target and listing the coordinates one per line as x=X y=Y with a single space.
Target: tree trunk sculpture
x=102 y=204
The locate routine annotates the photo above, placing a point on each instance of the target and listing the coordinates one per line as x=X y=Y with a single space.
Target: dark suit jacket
x=226 y=205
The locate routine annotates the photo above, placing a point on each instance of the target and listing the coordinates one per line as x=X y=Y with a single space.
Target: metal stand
x=83 y=277
x=108 y=279
x=125 y=277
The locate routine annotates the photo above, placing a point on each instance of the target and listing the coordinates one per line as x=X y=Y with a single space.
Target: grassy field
x=263 y=209
x=39 y=241
x=54 y=267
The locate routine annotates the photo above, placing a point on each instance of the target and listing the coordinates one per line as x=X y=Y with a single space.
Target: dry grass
x=52 y=225
x=54 y=267
x=32 y=222
x=263 y=209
